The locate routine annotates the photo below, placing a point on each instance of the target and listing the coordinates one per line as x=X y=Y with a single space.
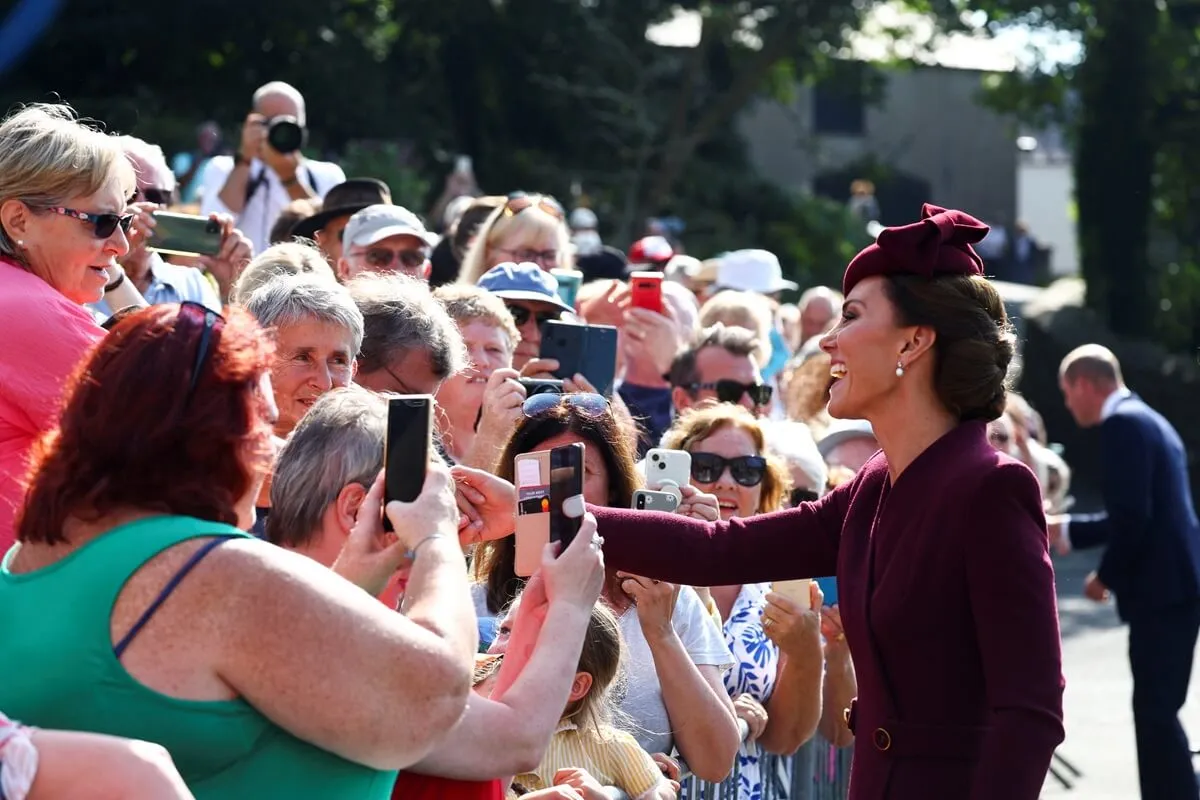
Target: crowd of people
x=202 y=599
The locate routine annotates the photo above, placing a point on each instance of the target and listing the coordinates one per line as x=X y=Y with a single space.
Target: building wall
x=1045 y=188
x=929 y=125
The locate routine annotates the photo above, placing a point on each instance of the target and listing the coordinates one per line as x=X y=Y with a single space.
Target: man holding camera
x=268 y=170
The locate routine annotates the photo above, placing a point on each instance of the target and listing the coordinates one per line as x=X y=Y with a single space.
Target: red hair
x=131 y=437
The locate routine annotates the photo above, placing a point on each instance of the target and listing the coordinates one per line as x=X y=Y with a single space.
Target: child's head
x=599 y=666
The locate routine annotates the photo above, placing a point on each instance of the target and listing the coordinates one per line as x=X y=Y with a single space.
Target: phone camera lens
x=662 y=466
x=641 y=502
x=654 y=458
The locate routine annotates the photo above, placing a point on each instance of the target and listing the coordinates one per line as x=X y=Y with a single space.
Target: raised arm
x=1011 y=585
x=800 y=542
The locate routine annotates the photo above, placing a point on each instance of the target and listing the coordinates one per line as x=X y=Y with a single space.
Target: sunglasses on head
x=382 y=258
x=522 y=314
x=162 y=197
x=799 y=496
x=586 y=403
x=746 y=470
x=211 y=318
x=103 y=224
x=729 y=391
x=519 y=201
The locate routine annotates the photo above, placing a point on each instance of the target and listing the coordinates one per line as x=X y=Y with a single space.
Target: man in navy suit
x=1151 y=560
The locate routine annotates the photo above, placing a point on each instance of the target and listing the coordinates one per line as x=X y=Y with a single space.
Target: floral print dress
x=757 y=664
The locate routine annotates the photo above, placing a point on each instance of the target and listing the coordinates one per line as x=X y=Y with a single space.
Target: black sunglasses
x=746 y=470
x=799 y=496
x=521 y=315
x=730 y=391
x=103 y=224
x=586 y=403
x=211 y=318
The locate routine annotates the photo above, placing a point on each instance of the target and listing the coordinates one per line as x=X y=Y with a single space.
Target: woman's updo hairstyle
x=934 y=278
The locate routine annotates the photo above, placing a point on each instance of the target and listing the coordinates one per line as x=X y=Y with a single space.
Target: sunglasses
x=586 y=403
x=729 y=391
x=519 y=201
x=522 y=314
x=799 y=496
x=746 y=470
x=104 y=224
x=211 y=318
x=383 y=258
x=162 y=197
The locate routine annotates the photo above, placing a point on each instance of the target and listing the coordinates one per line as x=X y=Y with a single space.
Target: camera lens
x=285 y=134
x=654 y=458
x=641 y=501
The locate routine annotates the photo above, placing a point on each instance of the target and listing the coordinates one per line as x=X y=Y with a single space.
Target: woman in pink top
x=64 y=217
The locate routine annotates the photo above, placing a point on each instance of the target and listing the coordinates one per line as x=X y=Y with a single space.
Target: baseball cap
x=524 y=281
x=376 y=223
x=752 y=271
x=651 y=250
x=843 y=430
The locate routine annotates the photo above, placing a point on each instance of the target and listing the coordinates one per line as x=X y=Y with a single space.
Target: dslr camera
x=541 y=386
x=286 y=134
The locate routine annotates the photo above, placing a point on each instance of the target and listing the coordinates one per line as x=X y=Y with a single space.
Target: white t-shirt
x=643 y=702
x=268 y=199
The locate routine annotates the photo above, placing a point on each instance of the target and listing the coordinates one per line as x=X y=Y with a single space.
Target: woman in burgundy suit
x=939 y=543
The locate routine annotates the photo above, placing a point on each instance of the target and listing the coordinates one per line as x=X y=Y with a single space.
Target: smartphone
x=797 y=591
x=588 y=350
x=829 y=589
x=667 y=470
x=569 y=281
x=406 y=448
x=545 y=480
x=541 y=386
x=646 y=291
x=185 y=234
x=650 y=500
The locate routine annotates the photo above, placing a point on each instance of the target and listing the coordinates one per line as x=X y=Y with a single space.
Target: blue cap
x=524 y=281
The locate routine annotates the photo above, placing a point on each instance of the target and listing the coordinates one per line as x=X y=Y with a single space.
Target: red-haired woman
x=133 y=606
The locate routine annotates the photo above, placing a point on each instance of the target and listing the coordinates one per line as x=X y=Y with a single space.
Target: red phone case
x=646 y=292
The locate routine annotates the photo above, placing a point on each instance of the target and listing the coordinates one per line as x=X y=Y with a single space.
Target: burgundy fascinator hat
x=940 y=244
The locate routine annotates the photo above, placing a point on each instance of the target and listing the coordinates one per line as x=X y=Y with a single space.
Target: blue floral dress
x=756 y=666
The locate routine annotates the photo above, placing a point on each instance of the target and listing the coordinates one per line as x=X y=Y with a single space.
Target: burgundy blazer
x=947 y=597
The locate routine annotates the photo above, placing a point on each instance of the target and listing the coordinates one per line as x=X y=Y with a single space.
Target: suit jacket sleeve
x=1128 y=493
x=800 y=542
x=1011 y=584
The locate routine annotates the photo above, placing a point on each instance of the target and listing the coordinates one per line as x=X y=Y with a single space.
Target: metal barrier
x=818 y=771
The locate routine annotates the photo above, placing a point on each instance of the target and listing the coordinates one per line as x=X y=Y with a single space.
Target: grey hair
x=337 y=443
x=821 y=293
x=793 y=442
x=291 y=298
x=281 y=89
x=285 y=258
x=401 y=315
x=150 y=153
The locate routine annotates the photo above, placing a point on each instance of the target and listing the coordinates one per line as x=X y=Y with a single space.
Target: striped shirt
x=611 y=756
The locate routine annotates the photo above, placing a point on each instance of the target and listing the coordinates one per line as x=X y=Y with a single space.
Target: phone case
x=589 y=350
x=645 y=291
x=569 y=281
x=532 y=472
x=667 y=470
x=185 y=234
x=797 y=591
x=829 y=589
x=650 y=500
x=407 y=446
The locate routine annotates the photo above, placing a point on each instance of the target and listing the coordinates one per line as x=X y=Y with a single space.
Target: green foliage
x=390 y=163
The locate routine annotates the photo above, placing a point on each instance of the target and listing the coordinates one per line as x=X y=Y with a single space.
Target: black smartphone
x=566 y=487
x=588 y=350
x=185 y=234
x=406 y=449
x=540 y=386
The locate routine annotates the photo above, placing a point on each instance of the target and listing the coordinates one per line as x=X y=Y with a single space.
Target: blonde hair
x=466 y=303
x=285 y=258
x=48 y=155
x=698 y=423
x=600 y=658
x=525 y=225
x=737 y=309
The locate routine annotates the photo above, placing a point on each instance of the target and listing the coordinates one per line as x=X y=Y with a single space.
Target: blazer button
x=883 y=740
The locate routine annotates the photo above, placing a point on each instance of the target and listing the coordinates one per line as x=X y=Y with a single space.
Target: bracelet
x=18 y=759
x=115 y=284
x=411 y=554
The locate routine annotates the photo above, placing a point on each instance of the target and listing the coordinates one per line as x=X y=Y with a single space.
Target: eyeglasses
x=211 y=318
x=586 y=403
x=543 y=258
x=746 y=470
x=522 y=314
x=104 y=224
x=162 y=197
x=730 y=391
x=799 y=496
x=519 y=201
x=383 y=258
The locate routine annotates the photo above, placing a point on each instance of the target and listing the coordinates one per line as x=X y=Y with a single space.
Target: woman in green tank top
x=134 y=605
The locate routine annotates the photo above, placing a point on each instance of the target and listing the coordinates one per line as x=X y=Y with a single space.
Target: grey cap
x=843 y=430
x=375 y=223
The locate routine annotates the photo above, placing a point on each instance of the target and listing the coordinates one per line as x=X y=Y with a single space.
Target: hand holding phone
x=646 y=291
x=798 y=591
x=407 y=448
x=549 y=502
x=185 y=234
x=650 y=500
x=668 y=470
x=588 y=350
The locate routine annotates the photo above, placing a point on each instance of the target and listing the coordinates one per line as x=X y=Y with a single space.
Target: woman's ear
x=14 y=219
x=580 y=686
x=347 y=503
x=920 y=341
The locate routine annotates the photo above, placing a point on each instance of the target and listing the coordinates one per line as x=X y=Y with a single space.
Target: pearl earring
x=20 y=242
x=899 y=369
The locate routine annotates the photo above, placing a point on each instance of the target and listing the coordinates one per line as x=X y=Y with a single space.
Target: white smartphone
x=667 y=470
x=798 y=591
x=650 y=500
